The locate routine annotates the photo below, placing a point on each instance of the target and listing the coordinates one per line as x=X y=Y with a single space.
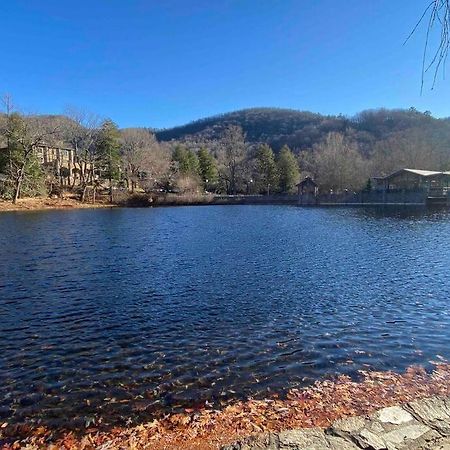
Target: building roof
x=307 y=180
x=419 y=172
x=423 y=173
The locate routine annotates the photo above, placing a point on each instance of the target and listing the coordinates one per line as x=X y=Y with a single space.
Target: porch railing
x=441 y=191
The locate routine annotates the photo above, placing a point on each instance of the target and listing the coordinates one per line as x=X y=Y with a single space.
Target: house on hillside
x=61 y=161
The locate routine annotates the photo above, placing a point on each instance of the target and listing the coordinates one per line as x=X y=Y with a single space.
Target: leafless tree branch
x=438 y=14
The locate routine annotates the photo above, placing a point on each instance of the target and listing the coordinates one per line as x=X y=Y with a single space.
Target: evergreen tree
x=266 y=170
x=19 y=161
x=180 y=157
x=187 y=161
x=108 y=147
x=208 y=167
x=287 y=169
x=193 y=164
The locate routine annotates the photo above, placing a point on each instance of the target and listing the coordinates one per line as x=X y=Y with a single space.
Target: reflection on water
x=123 y=313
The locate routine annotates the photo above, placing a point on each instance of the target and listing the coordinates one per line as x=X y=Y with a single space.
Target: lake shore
x=39 y=204
x=144 y=201
x=317 y=406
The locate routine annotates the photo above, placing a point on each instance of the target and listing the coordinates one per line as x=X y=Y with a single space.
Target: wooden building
x=433 y=182
x=308 y=186
x=308 y=190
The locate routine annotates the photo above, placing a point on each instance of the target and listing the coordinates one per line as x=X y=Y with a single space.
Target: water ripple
x=102 y=312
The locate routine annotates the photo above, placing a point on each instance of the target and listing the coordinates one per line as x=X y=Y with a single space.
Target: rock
x=338 y=443
x=308 y=439
x=349 y=425
x=434 y=411
x=395 y=415
x=267 y=441
x=312 y=439
x=420 y=425
x=367 y=439
x=406 y=433
x=443 y=445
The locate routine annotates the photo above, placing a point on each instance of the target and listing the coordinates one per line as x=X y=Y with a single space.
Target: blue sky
x=164 y=63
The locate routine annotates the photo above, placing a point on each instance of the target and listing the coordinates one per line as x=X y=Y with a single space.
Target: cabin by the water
x=308 y=191
x=405 y=186
x=435 y=183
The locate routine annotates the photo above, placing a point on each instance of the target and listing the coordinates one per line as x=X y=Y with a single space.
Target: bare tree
x=437 y=17
x=231 y=154
x=411 y=149
x=156 y=166
x=142 y=156
x=336 y=164
x=81 y=131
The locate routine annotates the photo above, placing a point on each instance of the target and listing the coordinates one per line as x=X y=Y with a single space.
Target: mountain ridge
x=302 y=129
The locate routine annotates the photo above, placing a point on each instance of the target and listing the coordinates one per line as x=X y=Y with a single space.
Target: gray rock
x=406 y=433
x=313 y=439
x=420 y=425
x=367 y=439
x=434 y=411
x=442 y=445
x=266 y=441
x=349 y=425
x=394 y=415
x=307 y=439
x=338 y=443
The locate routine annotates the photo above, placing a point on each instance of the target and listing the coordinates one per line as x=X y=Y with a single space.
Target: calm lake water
x=127 y=312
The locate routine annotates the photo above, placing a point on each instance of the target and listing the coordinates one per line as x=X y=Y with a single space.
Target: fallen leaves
x=207 y=429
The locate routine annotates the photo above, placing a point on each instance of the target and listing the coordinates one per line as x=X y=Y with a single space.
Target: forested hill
x=302 y=129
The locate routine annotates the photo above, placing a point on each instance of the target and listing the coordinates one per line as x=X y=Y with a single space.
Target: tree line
x=225 y=162
x=132 y=159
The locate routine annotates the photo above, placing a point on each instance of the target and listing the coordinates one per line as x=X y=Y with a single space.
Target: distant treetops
x=256 y=151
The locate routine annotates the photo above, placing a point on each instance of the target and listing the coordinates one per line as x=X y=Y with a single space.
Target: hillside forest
x=253 y=151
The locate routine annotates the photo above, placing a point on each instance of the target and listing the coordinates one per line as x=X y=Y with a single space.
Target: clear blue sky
x=166 y=62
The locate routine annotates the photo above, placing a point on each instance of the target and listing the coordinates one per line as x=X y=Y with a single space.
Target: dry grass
x=36 y=204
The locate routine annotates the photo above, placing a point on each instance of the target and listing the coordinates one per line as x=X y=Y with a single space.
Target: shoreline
x=317 y=406
x=48 y=204
x=143 y=201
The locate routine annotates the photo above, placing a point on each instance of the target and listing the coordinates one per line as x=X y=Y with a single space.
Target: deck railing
x=441 y=191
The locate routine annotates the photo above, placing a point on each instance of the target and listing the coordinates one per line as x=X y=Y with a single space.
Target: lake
x=125 y=313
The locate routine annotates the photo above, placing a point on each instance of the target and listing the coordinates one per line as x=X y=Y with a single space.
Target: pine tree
x=288 y=169
x=108 y=147
x=193 y=164
x=208 y=167
x=187 y=161
x=19 y=162
x=266 y=169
